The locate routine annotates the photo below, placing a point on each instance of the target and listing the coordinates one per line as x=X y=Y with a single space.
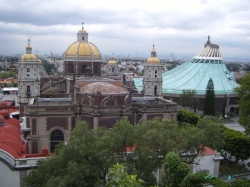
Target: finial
x=208 y=37
x=82 y=25
x=29 y=39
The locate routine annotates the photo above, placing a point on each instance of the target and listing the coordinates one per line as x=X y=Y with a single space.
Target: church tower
x=112 y=67
x=152 y=80
x=29 y=68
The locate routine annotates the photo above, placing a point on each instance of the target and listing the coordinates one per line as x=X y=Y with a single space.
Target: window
x=155 y=91
x=55 y=137
x=155 y=73
x=82 y=38
x=96 y=69
x=84 y=68
x=113 y=69
x=70 y=68
x=28 y=69
x=28 y=90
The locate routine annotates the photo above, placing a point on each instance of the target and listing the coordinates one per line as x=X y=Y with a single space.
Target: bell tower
x=29 y=68
x=152 y=80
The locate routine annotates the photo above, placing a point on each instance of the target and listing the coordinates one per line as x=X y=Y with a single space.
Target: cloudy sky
x=127 y=26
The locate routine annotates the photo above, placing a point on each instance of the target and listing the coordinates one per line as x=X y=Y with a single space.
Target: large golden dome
x=83 y=50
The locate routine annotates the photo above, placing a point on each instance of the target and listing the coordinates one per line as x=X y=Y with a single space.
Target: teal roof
x=194 y=74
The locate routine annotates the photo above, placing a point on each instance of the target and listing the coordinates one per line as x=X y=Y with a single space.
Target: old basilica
x=52 y=105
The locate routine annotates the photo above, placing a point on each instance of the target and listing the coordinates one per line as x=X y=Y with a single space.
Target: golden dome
x=29 y=57
x=112 y=62
x=83 y=50
x=82 y=31
x=153 y=60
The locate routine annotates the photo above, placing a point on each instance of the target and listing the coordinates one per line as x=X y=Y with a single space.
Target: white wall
x=8 y=178
x=204 y=163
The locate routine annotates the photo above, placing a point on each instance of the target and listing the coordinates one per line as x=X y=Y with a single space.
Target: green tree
x=89 y=154
x=118 y=177
x=84 y=161
x=175 y=170
x=188 y=99
x=236 y=143
x=185 y=116
x=209 y=106
x=49 y=67
x=244 y=95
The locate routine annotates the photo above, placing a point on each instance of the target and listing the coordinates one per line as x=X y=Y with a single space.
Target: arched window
x=55 y=137
x=70 y=68
x=155 y=90
x=113 y=69
x=28 y=90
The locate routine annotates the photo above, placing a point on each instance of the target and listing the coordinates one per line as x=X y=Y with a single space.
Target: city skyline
x=127 y=27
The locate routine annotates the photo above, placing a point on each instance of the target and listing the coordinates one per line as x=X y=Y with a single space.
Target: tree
x=89 y=154
x=49 y=67
x=84 y=161
x=209 y=106
x=188 y=99
x=117 y=177
x=236 y=143
x=185 y=116
x=175 y=170
x=244 y=95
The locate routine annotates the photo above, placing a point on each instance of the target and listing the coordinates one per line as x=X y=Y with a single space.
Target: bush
x=185 y=116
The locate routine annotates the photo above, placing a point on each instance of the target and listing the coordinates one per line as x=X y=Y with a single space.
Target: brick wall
x=34 y=126
x=152 y=116
x=108 y=122
x=89 y=120
x=34 y=146
x=57 y=121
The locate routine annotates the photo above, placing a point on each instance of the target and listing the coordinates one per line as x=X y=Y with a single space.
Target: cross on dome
x=82 y=25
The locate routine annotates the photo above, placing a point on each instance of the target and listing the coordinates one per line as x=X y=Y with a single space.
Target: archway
x=55 y=137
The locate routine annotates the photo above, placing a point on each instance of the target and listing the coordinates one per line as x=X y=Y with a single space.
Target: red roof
x=208 y=151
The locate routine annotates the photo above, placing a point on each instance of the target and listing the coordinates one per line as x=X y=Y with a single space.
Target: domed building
x=112 y=67
x=102 y=104
x=82 y=56
x=195 y=73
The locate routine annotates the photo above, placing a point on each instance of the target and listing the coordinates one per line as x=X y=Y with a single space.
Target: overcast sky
x=127 y=26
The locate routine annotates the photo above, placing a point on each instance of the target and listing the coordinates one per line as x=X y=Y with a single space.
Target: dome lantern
x=153 y=59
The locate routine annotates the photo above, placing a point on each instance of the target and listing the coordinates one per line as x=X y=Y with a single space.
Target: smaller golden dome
x=112 y=61
x=28 y=57
x=153 y=60
x=28 y=46
x=82 y=31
